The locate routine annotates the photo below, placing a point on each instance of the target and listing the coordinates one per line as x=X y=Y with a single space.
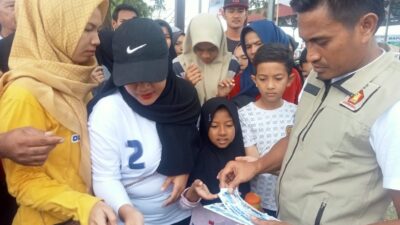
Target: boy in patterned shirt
x=265 y=121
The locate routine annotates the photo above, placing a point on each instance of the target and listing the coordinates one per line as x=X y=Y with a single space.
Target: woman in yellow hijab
x=47 y=88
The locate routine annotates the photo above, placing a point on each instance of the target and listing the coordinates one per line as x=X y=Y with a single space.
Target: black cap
x=236 y=3
x=140 y=52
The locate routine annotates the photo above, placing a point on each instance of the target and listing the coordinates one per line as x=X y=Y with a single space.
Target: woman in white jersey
x=143 y=131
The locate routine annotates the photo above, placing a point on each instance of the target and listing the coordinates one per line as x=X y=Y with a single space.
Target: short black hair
x=348 y=12
x=303 y=57
x=121 y=7
x=274 y=52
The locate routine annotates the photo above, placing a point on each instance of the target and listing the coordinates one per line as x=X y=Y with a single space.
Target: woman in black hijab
x=143 y=128
x=177 y=41
x=167 y=30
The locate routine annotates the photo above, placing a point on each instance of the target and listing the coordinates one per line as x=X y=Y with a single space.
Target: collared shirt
x=335 y=79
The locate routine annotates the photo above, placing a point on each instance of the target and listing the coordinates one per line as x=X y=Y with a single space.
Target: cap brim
x=143 y=71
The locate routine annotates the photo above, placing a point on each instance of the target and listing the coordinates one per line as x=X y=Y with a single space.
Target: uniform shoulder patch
x=356 y=101
x=312 y=89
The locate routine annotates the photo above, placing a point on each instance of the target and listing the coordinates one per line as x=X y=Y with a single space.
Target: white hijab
x=206 y=28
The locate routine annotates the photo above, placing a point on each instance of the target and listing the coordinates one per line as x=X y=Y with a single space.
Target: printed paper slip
x=236 y=208
x=220 y=209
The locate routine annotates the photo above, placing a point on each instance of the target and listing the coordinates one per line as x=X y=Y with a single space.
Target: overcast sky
x=192 y=8
x=284 y=2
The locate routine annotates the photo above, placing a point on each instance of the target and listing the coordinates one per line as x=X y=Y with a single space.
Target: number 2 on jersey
x=137 y=153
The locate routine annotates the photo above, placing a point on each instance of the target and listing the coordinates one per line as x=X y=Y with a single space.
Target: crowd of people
x=138 y=124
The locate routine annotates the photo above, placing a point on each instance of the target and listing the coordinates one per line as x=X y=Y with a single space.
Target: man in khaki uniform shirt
x=338 y=167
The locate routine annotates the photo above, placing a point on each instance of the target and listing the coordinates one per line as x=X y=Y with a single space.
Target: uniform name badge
x=356 y=101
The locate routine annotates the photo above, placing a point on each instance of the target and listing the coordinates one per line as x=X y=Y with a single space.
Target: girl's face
x=167 y=36
x=145 y=92
x=86 y=47
x=222 y=129
x=206 y=51
x=242 y=58
x=179 y=44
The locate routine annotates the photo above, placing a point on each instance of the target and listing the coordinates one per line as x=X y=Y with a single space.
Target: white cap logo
x=130 y=51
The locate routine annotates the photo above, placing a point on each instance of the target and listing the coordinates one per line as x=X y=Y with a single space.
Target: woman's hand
x=224 y=87
x=179 y=184
x=193 y=74
x=130 y=215
x=102 y=214
x=98 y=74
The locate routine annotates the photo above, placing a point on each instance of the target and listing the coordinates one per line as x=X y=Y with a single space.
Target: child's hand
x=98 y=75
x=199 y=190
x=225 y=86
x=193 y=74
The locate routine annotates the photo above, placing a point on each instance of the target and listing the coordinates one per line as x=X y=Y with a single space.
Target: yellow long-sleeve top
x=51 y=193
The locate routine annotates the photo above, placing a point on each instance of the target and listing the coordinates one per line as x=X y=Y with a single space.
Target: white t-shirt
x=125 y=152
x=385 y=140
x=263 y=128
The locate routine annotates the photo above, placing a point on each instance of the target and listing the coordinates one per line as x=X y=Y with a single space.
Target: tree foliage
x=143 y=9
x=256 y=4
x=158 y=5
